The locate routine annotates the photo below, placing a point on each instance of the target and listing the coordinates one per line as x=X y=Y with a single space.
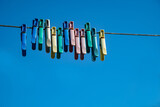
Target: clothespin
x=23 y=39
x=53 y=42
x=66 y=36
x=71 y=35
x=47 y=35
x=40 y=34
x=77 y=47
x=82 y=43
x=59 y=43
x=34 y=33
x=102 y=42
x=94 y=44
x=88 y=37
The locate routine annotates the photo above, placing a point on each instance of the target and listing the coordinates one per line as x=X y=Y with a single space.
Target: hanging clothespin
x=34 y=33
x=23 y=39
x=59 y=43
x=66 y=36
x=40 y=34
x=71 y=35
x=94 y=44
x=47 y=35
x=53 y=42
x=77 y=47
x=102 y=42
x=88 y=37
x=82 y=43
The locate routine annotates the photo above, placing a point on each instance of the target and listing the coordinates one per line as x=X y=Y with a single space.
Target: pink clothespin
x=71 y=36
x=77 y=44
x=83 y=43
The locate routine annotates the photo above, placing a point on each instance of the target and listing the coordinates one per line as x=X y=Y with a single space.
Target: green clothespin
x=88 y=37
x=40 y=34
x=59 y=43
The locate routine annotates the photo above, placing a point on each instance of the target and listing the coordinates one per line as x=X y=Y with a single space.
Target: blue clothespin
x=94 y=44
x=66 y=36
x=23 y=39
x=34 y=33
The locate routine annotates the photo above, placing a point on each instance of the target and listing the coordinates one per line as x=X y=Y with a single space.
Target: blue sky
x=129 y=76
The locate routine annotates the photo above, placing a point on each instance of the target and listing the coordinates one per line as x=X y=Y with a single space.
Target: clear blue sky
x=129 y=76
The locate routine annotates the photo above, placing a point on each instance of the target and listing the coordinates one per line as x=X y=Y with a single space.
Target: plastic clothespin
x=77 y=47
x=88 y=37
x=59 y=43
x=71 y=36
x=102 y=42
x=66 y=36
x=94 y=44
x=82 y=43
x=23 y=39
x=53 y=42
x=40 y=34
x=47 y=35
x=34 y=33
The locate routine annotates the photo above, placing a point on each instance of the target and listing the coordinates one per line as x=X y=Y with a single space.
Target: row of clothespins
x=57 y=40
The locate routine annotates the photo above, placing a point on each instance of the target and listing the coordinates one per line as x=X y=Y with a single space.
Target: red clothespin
x=77 y=44
x=82 y=43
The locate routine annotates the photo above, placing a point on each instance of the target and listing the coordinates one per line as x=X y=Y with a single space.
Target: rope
x=97 y=32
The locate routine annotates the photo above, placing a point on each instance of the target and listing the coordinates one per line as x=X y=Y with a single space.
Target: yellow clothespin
x=53 y=42
x=103 y=50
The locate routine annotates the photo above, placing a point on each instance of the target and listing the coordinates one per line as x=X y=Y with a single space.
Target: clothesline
x=96 y=32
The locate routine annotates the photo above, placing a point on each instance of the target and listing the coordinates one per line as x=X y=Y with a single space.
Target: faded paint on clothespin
x=77 y=41
x=103 y=50
x=34 y=33
x=23 y=39
x=71 y=36
x=47 y=35
x=53 y=42
x=40 y=34
x=66 y=36
x=94 y=44
x=82 y=43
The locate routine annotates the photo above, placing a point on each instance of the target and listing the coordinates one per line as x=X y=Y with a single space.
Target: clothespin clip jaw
x=48 y=35
x=71 y=25
x=23 y=39
x=35 y=22
x=65 y=25
x=47 y=23
x=71 y=36
x=53 y=42
x=94 y=44
x=88 y=37
x=77 y=47
x=103 y=50
x=41 y=23
x=34 y=33
x=82 y=43
x=66 y=36
x=87 y=26
x=59 y=43
x=40 y=33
